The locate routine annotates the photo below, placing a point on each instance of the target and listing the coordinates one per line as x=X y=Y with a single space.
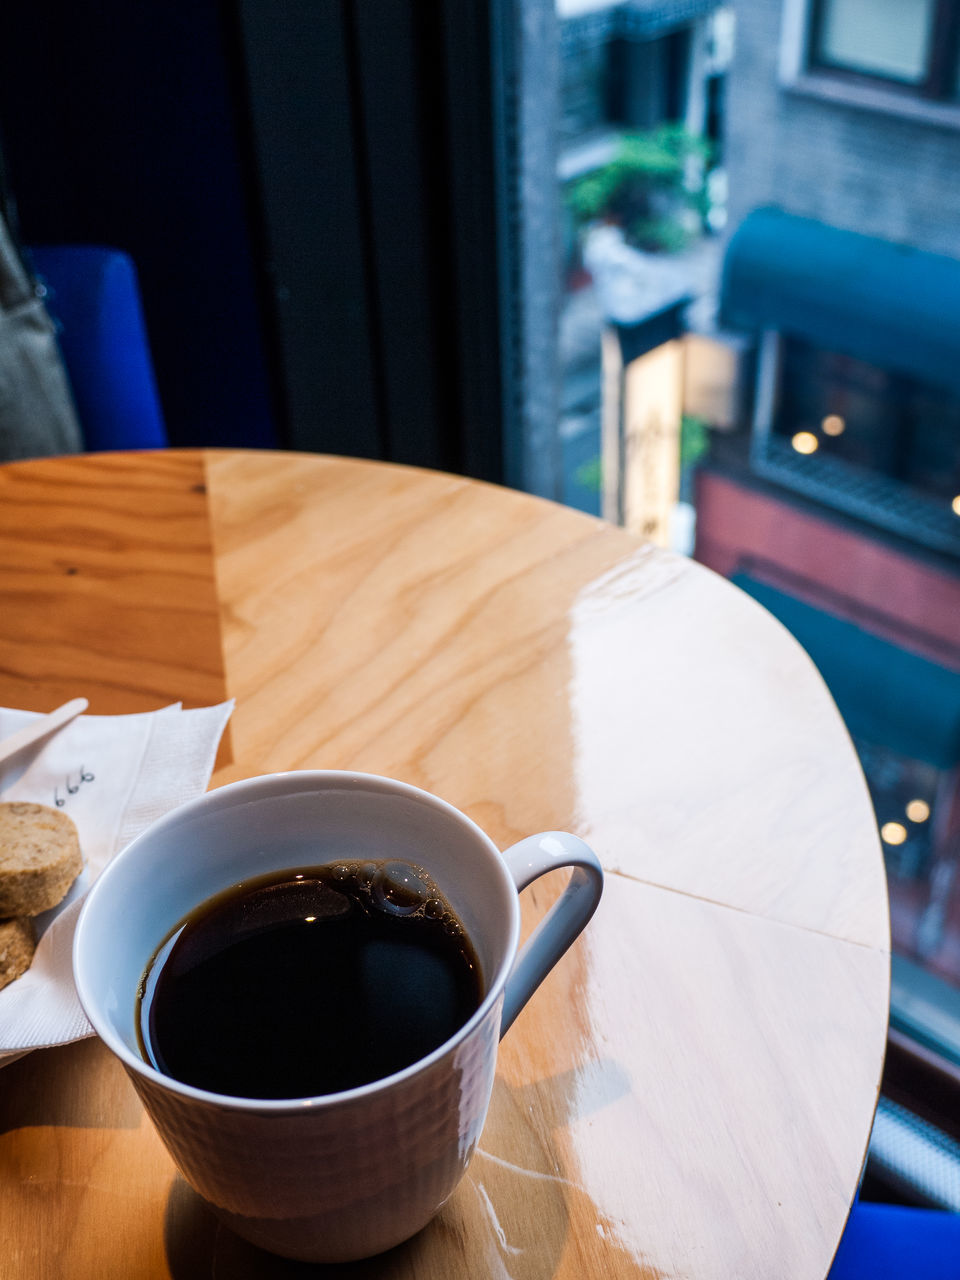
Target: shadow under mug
x=345 y=1175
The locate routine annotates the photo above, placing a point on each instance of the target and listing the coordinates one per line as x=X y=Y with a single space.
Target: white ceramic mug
x=349 y=1174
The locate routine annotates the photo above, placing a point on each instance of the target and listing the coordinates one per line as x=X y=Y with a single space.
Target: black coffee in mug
x=309 y=982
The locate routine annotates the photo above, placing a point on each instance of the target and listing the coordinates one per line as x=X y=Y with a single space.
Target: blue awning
x=884 y=303
x=887 y=696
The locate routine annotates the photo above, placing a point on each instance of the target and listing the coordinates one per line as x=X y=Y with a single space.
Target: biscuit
x=39 y=857
x=17 y=945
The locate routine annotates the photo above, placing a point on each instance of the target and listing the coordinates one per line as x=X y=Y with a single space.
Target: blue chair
x=895 y=1242
x=94 y=298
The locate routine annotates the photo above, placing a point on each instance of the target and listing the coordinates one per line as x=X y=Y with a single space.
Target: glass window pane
x=874 y=419
x=832 y=479
x=887 y=38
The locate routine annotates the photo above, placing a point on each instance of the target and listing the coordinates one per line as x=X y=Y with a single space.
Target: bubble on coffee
x=309 y=981
x=401 y=889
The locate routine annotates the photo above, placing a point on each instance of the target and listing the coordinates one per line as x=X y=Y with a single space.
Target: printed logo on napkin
x=114 y=776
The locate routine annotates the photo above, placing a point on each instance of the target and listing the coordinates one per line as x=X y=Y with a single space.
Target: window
x=888 y=39
x=901 y=57
x=815 y=447
x=906 y=44
x=872 y=443
x=883 y=422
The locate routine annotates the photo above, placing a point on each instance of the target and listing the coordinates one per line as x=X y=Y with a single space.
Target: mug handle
x=526 y=860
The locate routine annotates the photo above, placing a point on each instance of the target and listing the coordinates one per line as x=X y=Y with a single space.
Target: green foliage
x=660 y=235
x=653 y=181
x=694 y=440
x=589 y=475
x=694 y=446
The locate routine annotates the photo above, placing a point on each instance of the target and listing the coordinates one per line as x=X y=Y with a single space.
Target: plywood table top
x=690 y=1093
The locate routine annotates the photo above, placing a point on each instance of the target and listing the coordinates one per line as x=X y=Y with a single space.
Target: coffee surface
x=309 y=982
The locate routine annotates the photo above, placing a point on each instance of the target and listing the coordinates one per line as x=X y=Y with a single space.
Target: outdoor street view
x=761 y=362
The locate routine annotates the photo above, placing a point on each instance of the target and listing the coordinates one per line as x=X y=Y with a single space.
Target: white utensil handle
x=40 y=728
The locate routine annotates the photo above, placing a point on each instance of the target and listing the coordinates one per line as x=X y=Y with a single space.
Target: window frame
x=800 y=73
x=914 y=518
x=940 y=70
x=406 y=250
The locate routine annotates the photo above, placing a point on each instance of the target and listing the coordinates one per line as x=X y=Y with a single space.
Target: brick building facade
x=884 y=167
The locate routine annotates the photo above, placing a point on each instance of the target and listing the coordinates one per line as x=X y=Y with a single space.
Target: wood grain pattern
x=690 y=1093
x=711 y=757
x=84 y=1177
x=106 y=581
x=540 y=669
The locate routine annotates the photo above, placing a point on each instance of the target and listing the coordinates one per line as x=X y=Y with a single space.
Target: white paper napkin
x=113 y=775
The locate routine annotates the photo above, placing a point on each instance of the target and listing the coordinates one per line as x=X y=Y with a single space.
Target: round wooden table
x=691 y=1091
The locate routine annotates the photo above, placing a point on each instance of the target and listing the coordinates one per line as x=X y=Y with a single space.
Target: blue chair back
x=94 y=298
x=894 y=1242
